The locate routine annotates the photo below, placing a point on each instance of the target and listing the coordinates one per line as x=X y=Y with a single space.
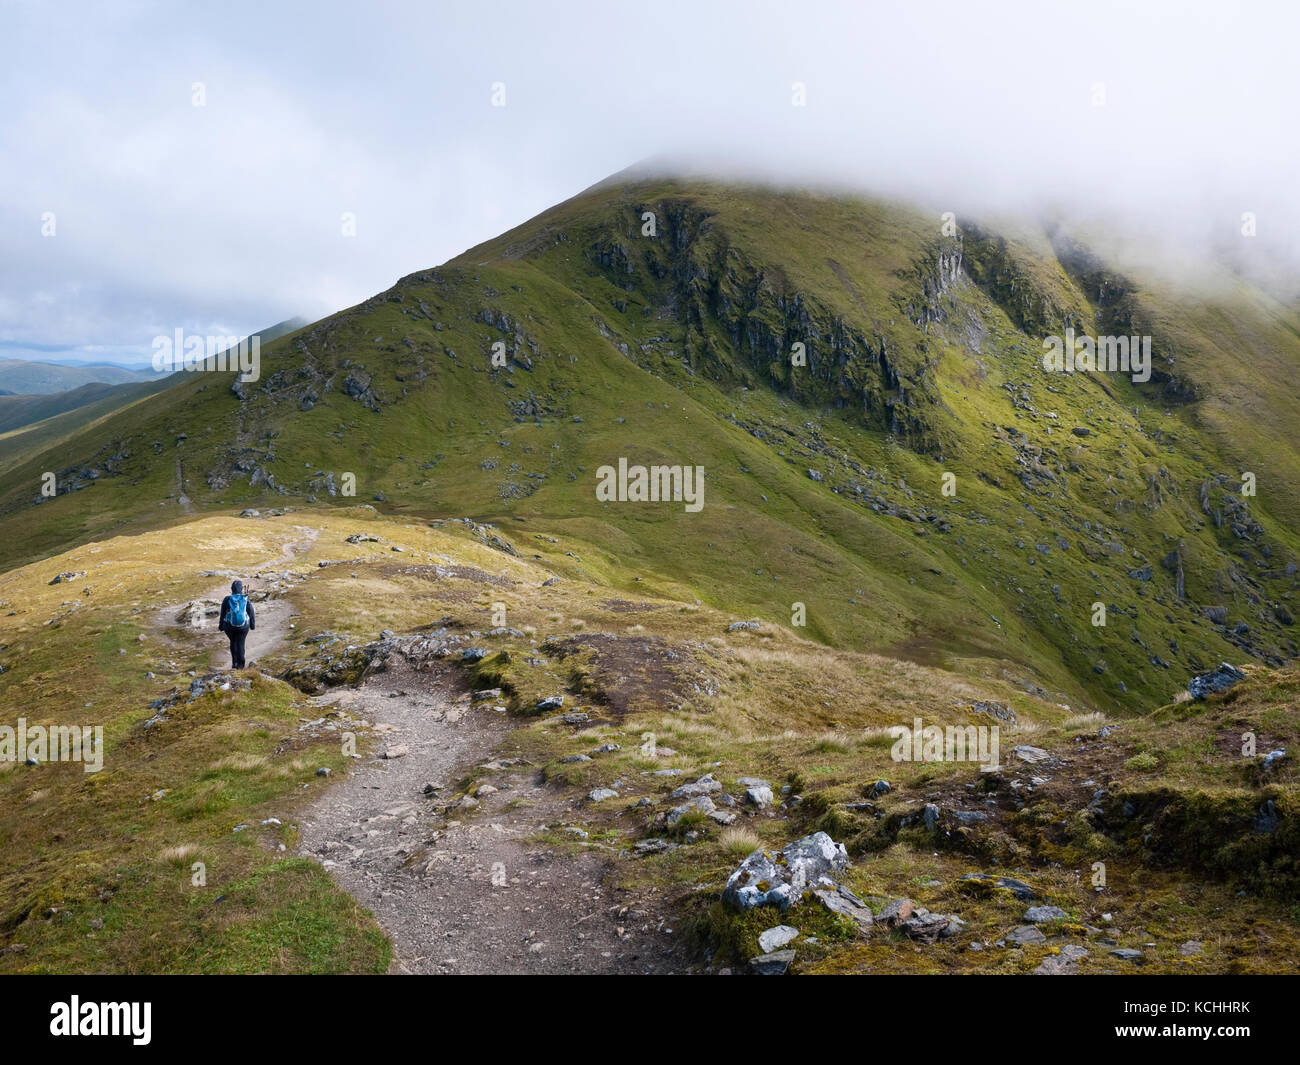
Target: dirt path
x=272 y=619
x=470 y=890
x=457 y=888
x=270 y=613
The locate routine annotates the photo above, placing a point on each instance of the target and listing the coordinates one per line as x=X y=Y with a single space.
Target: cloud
x=228 y=216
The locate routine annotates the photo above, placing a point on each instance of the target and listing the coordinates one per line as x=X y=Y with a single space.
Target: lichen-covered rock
x=1214 y=682
x=777 y=937
x=701 y=804
x=845 y=903
x=766 y=879
x=706 y=785
x=70 y=576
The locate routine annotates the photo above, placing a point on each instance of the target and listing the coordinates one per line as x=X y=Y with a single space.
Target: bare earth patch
x=470 y=889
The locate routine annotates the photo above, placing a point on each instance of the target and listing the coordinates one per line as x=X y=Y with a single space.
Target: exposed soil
x=469 y=890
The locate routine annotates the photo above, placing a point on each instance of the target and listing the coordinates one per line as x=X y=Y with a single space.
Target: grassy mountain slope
x=823 y=482
x=97 y=870
x=84 y=404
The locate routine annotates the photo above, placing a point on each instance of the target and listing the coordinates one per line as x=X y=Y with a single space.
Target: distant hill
x=28 y=420
x=40 y=378
x=17 y=409
x=41 y=419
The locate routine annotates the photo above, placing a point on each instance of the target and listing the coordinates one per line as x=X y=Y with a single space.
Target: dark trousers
x=237 y=638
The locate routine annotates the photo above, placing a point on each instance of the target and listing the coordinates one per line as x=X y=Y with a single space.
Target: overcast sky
x=224 y=218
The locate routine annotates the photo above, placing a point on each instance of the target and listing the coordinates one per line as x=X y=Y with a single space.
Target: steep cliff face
x=1118 y=311
x=1008 y=277
x=743 y=323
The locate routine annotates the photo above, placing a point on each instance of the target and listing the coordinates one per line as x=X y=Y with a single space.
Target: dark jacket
x=225 y=605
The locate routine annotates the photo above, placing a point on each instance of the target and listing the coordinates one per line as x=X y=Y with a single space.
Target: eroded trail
x=459 y=885
x=469 y=888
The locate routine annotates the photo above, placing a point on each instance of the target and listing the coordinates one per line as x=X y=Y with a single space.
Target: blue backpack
x=237 y=612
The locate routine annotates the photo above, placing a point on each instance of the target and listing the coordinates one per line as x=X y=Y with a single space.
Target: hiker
x=237 y=622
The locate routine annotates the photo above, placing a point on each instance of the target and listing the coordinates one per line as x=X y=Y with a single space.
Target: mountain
x=824 y=483
x=39 y=378
x=642 y=695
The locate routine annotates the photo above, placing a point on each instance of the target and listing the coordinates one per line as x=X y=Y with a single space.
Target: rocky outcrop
x=741 y=319
x=780 y=880
x=1218 y=680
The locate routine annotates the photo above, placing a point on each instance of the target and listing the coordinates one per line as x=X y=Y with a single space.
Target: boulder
x=1212 y=683
x=999 y=711
x=926 y=927
x=765 y=879
x=1031 y=755
x=62 y=578
x=845 y=903
x=1024 y=935
x=776 y=937
x=1018 y=888
x=775 y=964
x=601 y=794
x=706 y=785
x=700 y=804
x=896 y=911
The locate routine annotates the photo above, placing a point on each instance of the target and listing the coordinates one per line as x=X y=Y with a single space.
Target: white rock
x=776 y=937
